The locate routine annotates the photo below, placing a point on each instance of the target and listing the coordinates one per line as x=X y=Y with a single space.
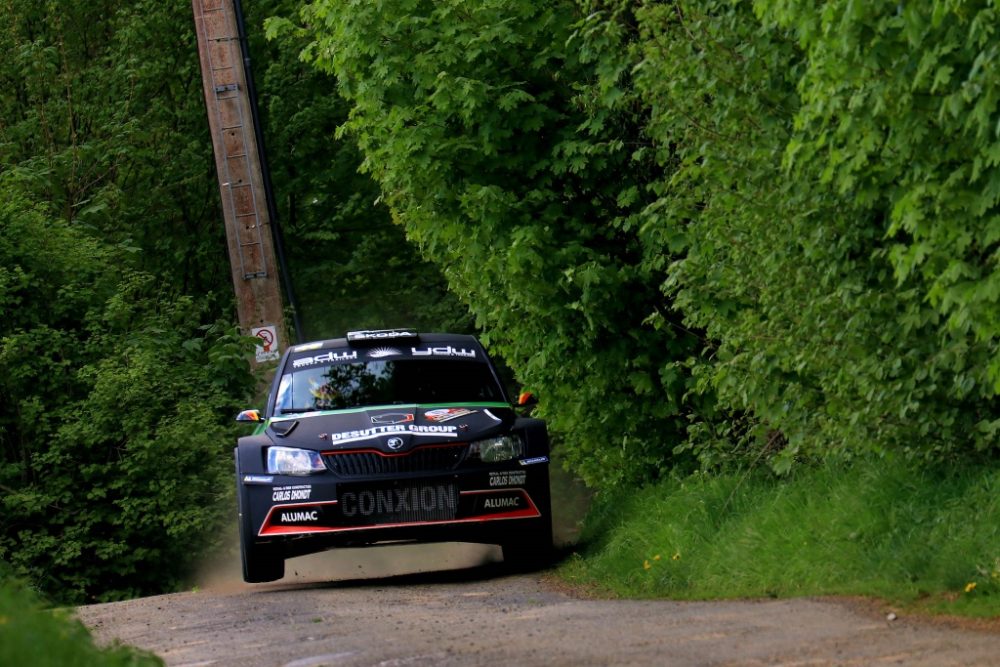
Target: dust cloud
x=222 y=572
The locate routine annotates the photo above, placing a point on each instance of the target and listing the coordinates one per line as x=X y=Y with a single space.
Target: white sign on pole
x=268 y=348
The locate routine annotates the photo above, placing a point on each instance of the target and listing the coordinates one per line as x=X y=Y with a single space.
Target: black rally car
x=389 y=436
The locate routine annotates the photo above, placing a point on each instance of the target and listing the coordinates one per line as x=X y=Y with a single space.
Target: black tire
x=261 y=562
x=531 y=551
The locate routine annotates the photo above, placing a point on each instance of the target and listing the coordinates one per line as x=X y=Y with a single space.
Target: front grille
x=368 y=462
x=379 y=503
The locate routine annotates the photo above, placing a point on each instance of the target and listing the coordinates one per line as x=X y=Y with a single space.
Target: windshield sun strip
x=391 y=406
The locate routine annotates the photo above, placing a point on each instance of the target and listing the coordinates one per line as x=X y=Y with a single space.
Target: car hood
x=390 y=429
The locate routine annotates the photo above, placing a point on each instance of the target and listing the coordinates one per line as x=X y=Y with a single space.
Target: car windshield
x=338 y=386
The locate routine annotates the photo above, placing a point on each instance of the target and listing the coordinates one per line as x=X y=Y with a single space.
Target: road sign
x=268 y=348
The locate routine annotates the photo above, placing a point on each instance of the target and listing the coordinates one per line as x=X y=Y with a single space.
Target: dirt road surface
x=349 y=609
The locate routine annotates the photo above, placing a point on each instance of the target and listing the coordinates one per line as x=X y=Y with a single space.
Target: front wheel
x=531 y=551
x=261 y=563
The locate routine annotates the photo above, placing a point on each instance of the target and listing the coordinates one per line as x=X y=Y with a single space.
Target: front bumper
x=489 y=504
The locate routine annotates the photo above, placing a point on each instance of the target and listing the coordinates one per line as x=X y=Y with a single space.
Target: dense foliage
x=838 y=250
x=343 y=247
x=118 y=362
x=734 y=229
x=470 y=118
x=705 y=232
x=120 y=365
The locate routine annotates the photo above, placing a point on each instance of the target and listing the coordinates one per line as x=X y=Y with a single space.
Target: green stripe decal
x=410 y=406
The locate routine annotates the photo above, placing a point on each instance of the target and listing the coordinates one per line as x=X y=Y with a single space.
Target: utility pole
x=238 y=165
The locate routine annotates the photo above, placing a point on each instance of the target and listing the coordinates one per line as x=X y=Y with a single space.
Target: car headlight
x=291 y=461
x=503 y=448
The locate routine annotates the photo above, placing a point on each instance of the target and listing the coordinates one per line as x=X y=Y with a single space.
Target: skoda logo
x=395 y=443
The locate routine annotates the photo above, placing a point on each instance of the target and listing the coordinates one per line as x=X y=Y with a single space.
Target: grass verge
x=32 y=635
x=920 y=538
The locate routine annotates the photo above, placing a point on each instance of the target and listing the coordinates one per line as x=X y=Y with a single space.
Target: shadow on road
x=487 y=570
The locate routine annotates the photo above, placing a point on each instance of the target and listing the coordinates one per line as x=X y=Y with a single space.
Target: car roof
x=420 y=338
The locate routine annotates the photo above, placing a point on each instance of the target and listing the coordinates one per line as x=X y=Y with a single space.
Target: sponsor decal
x=380 y=333
x=537 y=459
x=446 y=351
x=447 y=414
x=258 y=479
x=509 y=502
x=397 y=501
x=325 y=358
x=395 y=443
x=298 y=519
x=506 y=504
x=297 y=492
x=393 y=418
x=508 y=478
x=308 y=346
x=430 y=428
x=413 y=429
x=383 y=352
x=362 y=510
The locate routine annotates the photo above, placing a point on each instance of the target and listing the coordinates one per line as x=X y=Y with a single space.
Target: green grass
x=913 y=536
x=32 y=635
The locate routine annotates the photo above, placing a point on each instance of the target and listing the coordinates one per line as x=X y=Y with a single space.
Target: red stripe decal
x=530 y=512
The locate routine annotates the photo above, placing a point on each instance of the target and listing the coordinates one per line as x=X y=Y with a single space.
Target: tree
x=471 y=118
x=118 y=358
x=719 y=225
x=351 y=266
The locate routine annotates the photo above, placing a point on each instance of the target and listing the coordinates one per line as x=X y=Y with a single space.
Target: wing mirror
x=526 y=400
x=249 y=416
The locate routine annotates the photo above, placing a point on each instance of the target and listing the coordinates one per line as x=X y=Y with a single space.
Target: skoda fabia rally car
x=388 y=436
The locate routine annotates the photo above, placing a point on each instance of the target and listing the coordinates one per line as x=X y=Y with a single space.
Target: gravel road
x=350 y=609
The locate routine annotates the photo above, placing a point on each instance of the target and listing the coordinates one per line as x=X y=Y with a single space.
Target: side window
x=284 y=399
x=304 y=390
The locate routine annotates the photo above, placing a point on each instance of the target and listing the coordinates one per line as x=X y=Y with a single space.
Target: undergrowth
x=31 y=634
x=927 y=538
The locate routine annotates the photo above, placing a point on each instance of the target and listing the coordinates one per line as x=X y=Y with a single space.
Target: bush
x=31 y=634
x=112 y=403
